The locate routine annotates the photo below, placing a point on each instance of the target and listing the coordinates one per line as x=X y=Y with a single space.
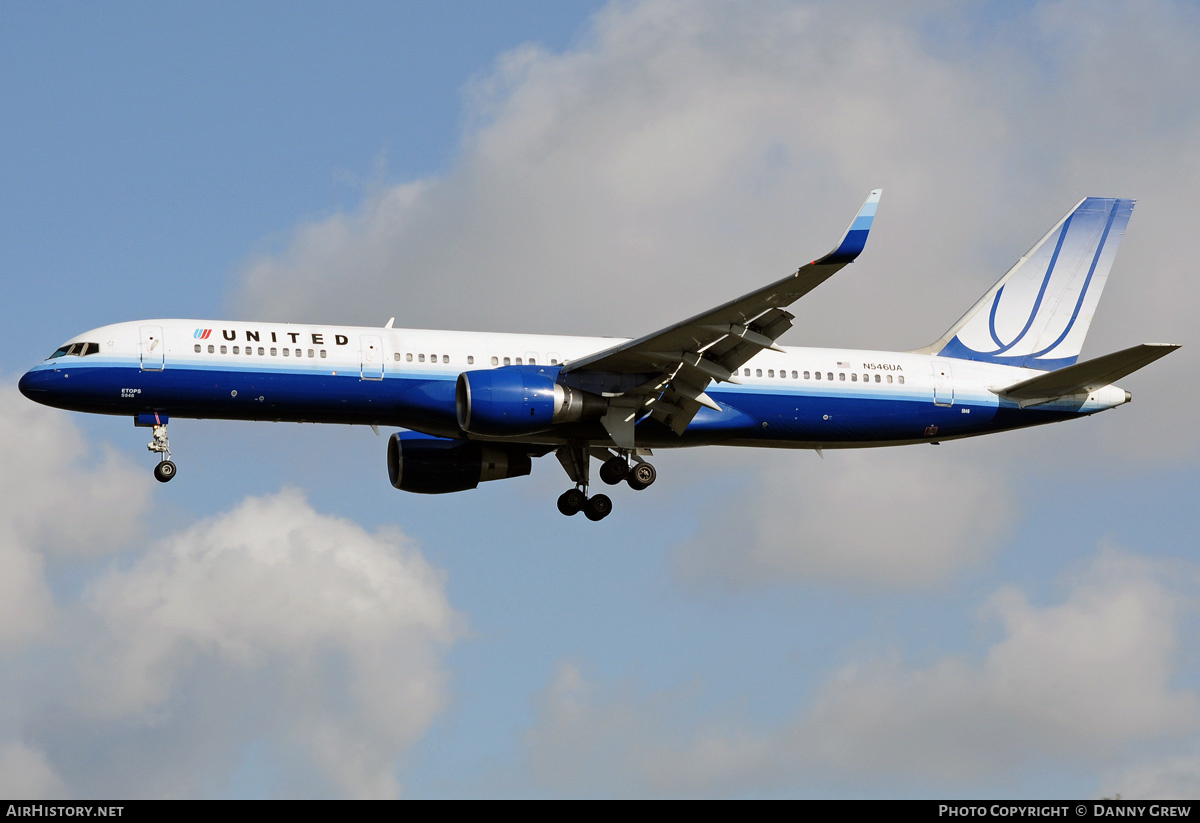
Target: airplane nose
x=33 y=384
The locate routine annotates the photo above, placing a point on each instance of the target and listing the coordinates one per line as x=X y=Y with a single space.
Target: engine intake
x=435 y=465
x=520 y=400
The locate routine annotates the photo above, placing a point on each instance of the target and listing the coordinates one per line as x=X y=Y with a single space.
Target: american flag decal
x=842 y=364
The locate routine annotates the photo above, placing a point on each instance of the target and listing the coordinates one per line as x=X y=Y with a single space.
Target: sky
x=1008 y=616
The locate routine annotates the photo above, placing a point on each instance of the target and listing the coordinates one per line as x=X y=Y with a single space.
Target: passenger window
x=224 y=350
x=237 y=350
x=828 y=375
x=495 y=360
x=900 y=378
x=889 y=378
x=261 y=351
x=433 y=358
x=553 y=361
x=770 y=372
x=286 y=351
x=508 y=361
x=853 y=377
x=395 y=356
x=197 y=349
x=470 y=360
x=211 y=348
x=421 y=358
x=274 y=351
x=519 y=362
x=794 y=374
x=818 y=375
x=842 y=376
x=877 y=379
x=312 y=353
x=533 y=361
x=807 y=375
x=758 y=372
x=747 y=373
x=322 y=353
x=408 y=357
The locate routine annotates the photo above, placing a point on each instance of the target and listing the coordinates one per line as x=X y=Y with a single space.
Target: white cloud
x=1084 y=678
x=58 y=499
x=1088 y=678
x=270 y=629
x=679 y=154
x=276 y=623
x=56 y=493
x=907 y=517
x=25 y=773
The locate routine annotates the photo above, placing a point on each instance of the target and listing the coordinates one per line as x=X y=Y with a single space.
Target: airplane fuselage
x=797 y=397
x=480 y=407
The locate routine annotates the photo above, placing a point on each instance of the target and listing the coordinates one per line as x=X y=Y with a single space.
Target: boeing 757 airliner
x=476 y=406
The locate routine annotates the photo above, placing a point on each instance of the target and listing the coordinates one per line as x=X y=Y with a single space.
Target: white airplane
x=476 y=406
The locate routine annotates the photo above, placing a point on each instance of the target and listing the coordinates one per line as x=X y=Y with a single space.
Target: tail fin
x=1038 y=314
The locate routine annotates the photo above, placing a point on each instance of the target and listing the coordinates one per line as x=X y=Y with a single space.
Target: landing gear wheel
x=641 y=476
x=164 y=471
x=614 y=470
x=571 y=501
x=598 y=507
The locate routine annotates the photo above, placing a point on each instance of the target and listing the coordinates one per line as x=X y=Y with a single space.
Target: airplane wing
x=667 y=372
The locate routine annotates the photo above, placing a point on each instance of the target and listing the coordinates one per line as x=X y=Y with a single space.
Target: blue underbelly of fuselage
x=791 y=416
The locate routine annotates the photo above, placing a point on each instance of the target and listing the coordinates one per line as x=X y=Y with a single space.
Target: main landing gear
x=638 y=475
x=573 y=501
x=165 y=469
x=626 y=466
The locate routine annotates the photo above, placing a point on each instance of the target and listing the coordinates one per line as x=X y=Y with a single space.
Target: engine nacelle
x=435 y=465
x=520 y=400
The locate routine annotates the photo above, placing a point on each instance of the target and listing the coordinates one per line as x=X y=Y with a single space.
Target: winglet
x=855 y=238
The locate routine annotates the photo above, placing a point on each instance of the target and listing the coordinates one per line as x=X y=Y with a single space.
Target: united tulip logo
x=201 y=334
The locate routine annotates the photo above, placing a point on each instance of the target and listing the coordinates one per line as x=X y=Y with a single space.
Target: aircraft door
x=151 y=350
x=943 y=383
x=372 y=357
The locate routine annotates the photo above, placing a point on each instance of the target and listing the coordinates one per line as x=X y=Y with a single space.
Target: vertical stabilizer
x=1038 y=314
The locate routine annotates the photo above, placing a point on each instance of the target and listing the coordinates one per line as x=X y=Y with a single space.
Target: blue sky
x=1009 y=616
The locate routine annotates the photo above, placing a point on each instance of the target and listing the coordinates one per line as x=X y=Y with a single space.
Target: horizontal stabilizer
x=1088 y=375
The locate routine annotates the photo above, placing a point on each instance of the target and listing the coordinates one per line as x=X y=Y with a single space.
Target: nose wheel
x=160 y=445
x=164 y=471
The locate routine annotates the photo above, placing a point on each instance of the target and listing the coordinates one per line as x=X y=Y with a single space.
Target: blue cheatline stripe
x=847 y=417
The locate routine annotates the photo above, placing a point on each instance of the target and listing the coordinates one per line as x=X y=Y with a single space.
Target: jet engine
x=520 y=400
x=436 y=465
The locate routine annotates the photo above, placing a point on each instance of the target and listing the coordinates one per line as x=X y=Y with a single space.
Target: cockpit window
x=77 y=349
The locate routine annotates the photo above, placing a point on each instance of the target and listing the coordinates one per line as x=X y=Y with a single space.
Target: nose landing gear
x=160 y=445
